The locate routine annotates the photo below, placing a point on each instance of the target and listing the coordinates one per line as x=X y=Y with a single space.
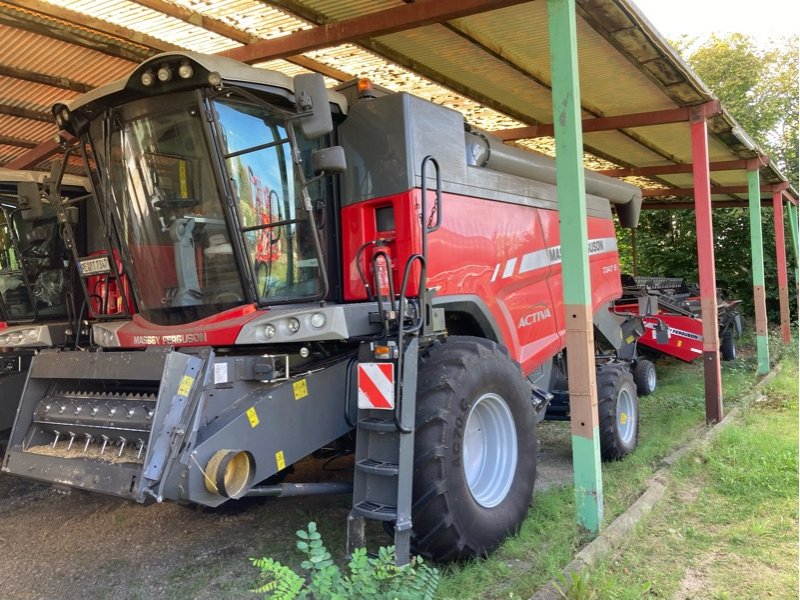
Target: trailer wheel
x=618 y=408
x=728 y=346
x=475 y=449
x=644 y=376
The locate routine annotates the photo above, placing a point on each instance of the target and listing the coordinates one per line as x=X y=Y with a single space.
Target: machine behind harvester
x=408 y=310
x=671 y=313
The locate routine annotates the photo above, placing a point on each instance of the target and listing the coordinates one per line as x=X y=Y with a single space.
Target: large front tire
x=475 y=449
x=618 y=411
x=645 y=377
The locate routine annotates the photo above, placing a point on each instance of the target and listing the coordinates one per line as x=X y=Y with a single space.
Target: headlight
x=148 y=78
x=185 y=70
x=164 y=73
x=269 y=331
x=32 y=334
x=293 y=325
x=317 y=320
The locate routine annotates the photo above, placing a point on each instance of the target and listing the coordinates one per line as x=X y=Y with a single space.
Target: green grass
x=550 y=537
x=727 y=527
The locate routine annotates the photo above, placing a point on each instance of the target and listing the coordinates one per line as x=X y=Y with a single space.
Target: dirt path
x=87 y=546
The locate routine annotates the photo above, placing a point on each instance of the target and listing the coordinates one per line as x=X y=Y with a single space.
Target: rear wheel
x=728 y=346
x=618 y=411
x=475 y=449
x=644 y=376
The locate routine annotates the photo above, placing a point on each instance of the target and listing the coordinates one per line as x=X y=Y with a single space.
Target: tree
x=758 y=86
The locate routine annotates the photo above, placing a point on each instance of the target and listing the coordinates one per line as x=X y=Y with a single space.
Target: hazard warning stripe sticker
x=376 y=386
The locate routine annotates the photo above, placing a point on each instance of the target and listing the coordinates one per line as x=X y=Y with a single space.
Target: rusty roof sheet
x=493 y=67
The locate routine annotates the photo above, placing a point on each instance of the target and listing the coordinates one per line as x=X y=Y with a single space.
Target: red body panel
x=218 y=330
x=508 y=255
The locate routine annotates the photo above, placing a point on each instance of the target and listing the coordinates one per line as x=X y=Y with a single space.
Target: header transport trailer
x=403 y=285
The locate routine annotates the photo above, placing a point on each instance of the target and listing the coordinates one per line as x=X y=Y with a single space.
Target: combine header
x=671 y=313
x=398 y=293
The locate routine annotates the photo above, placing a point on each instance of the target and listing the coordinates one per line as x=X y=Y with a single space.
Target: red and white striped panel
x=376 y=386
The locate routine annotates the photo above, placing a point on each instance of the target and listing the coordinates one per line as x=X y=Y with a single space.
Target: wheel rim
x=626 y=416
x=490 y=450
x=651 y=379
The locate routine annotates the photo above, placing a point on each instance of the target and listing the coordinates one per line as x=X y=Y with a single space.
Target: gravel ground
x=79 y=545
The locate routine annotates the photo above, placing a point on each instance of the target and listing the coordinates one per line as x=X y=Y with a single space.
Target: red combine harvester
x=408 y=309
x=671 y=313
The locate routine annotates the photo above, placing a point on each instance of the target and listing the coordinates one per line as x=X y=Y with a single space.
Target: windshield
x=35 y=277
x=155 y=167
x=266 y=187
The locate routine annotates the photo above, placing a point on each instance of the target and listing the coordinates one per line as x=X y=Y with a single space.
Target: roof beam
x=384 y=22
x=725 y=165
x=40 y=78
x=720 y=189
x=30 y=159
x=223 y=29
x=28 y=16
x=690 y=205
x=6 y=140
x=645 y=119
x=25 y=113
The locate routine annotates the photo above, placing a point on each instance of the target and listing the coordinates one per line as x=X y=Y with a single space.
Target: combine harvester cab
x=279 y=309
x=39 y=297
x=671 y=313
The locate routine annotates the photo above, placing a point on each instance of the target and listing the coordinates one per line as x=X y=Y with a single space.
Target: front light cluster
x=103 y=337
x=19 y=337
x=166 y=72
x=291 y=325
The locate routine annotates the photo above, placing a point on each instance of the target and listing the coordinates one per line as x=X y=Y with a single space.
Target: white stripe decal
x=509 y=270
x=496 y=269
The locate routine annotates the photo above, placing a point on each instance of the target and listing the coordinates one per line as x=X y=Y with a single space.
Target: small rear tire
x=618 y=411
x=645 y=378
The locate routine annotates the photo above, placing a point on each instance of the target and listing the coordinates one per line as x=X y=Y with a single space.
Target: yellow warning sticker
x=280 y=460
x=623 y=418
x=186 y=385
x=300 y=389
x=252 y=416
x=182 y=178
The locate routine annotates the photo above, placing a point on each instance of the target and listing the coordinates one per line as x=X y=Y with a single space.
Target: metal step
x=377 y=424
x=375 y=511
x=377 y=467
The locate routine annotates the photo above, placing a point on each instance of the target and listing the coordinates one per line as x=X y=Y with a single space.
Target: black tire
x=456 y=376
x=644 y=376
x=617 y=405
x=728 y=346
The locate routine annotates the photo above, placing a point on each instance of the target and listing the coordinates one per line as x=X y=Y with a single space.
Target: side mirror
x=311 y=97
x=30 y=200
x=328 y=160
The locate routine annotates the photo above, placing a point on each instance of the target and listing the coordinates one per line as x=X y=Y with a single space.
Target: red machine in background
x=670 y=310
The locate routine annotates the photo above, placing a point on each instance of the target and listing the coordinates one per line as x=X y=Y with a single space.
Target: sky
x=763 y=19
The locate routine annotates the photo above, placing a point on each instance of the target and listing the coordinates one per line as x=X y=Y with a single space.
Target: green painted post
x=575 y=263
x=757 y=254
x=793 y=223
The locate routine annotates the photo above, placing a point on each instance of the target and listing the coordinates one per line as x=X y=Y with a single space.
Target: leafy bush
x=369 y=578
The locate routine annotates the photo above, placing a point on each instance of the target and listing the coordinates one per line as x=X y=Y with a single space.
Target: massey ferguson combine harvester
x=39 y=300
x=415 y=301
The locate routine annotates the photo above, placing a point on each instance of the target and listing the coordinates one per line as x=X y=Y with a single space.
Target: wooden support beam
x=234 y=33
x=391 y=20
x=6 y=140
x=712 y=371
x=573 y=231
x=716 y=204
x=50 y=80
x=780 y=256
x=724 y=165
x=25 y=113
x=720 y=189
x=757 y=256
x=646 y=119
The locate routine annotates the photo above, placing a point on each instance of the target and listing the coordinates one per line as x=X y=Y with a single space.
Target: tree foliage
x=758 y=86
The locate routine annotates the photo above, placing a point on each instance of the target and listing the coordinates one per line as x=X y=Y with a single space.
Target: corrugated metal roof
x=494 y=67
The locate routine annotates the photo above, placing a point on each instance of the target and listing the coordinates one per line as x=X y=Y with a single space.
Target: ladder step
x=377 y=467
x=377 y=424
x=376 y=511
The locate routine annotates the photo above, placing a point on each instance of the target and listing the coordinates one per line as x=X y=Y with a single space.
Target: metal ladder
x=384 y=457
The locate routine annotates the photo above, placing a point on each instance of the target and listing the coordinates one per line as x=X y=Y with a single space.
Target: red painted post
x=780 y=250
x=705 y=258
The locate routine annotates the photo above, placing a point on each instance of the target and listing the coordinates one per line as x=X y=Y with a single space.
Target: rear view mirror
x=30 y=200
x=328 y=160
x=311 y=97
